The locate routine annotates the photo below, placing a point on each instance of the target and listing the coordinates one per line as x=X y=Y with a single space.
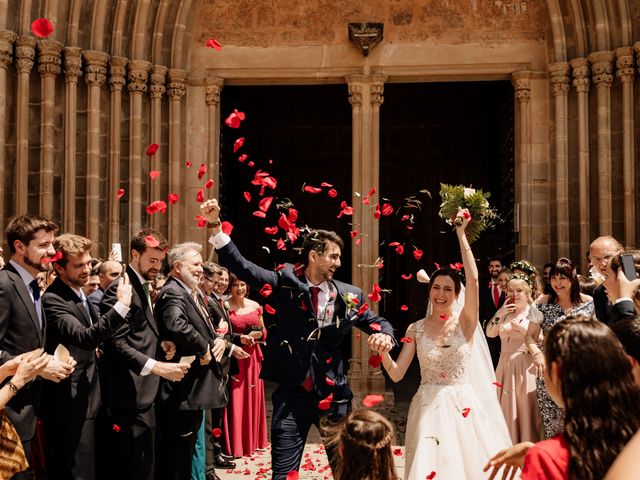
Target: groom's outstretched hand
x=210 y=210
x=380 y=342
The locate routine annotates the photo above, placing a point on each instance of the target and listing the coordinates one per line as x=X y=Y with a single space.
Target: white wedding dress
x=453 y=429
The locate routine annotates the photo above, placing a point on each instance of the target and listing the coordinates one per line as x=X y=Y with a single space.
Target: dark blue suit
x=297 y=348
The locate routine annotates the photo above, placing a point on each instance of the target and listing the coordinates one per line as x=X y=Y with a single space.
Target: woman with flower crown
x=516 y=373
x=455 y=422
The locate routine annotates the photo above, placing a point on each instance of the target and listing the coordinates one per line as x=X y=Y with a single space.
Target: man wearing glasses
x=601 y=251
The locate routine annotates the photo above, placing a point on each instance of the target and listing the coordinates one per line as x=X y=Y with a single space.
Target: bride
x=455 y=422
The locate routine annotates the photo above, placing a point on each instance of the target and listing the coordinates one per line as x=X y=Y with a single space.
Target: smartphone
x=628 y=266
x=116 y=248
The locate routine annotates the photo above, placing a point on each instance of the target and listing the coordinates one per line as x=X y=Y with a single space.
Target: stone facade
x=68 y=145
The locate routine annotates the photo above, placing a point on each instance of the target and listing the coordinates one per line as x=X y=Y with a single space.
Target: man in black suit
x=315 y=313
x=108 y=272
x=130 y=370
x=22 y=319
x=183 y=319
x=601 y=251
x=71 y=406
x=491 y=299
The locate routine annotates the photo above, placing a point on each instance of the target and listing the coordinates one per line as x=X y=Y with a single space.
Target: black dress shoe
x=212 y=475
x=227 y=457
x=222 y=462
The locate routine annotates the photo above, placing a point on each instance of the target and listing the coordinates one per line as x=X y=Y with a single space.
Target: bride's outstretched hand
x=462 y=219
x=380 y=343
x=512 y=458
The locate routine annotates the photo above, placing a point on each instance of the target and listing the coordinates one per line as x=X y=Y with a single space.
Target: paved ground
x=315 y=465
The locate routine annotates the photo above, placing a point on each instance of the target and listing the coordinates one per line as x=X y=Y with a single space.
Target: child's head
x=363 y=446
x=588 y=374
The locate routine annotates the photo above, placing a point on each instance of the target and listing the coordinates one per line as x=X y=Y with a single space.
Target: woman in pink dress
x=247 y=417
x=516 y=375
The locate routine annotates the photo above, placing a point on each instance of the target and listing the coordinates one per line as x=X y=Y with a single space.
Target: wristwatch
x=215 y=224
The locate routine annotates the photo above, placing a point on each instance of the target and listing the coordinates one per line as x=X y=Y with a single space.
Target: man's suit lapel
x=25 y=296
x=71 y=297
x=137 y=287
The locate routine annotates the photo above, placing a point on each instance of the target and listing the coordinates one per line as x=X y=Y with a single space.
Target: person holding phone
x=621 y=284
x=516 y=374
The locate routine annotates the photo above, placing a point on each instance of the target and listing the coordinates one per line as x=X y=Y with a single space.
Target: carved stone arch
x=178 y=44
x=139 y=37
x=119 y=40
x=159 y=54
x=619 y=14
x=99 y=24
x=558 y=39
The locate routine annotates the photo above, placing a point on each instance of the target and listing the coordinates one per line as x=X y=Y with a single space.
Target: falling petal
x=152 y=149
x=42 y=27
x=213 y=43
x=120 y=193
x=173 y=198
x=154 y=174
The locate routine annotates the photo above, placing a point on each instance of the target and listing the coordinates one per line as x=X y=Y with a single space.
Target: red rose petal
x=120 y=193
x=394 y=244
x=359 y=241
x=237 y=145
x=372 y=400
x=325 y=403
x=269 y=309
x=397 y=452
x=188 y=164
x=243 y=157
x=247 y=196
x=333 y=193
x=366 y=201
x=42 y=27
x=325 y=184
x=406 y=276
x=404 y=308
x=251 y=164
x=116 y=428
x=371 y=192
x=266 y=290
x=497 y=384
x=376 y=212
x=57 y=256
x=226 y=227
x=375 y=326
x=209 y=184
x=436 y=265
x=363 y=309
x=400 y=250
x=201 y=221
x=380 y=265
x=312 y=190
x=234 y=119
x=201 y=171
x=271 y=230
x=260 y=214
x=328 y=360
x=173 y=198
x=354 y=234
x=216 y=432
x=329 y=382
x=293 y=475
x=200 y=196
x=374 y=296
x=154 y=174
x=386 y=210
x=156 y=206
x=213 y=43
x=151 y=241
x=466 y=214
x=406 y=340
x=265 y=203
x=417 y=254
x=444 y=317
x=152 y=149
x=431 y=476
x=465 y=412
x=280 y=245
x=375 y=360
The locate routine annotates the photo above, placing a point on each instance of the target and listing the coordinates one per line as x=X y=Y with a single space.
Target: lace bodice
x=443 y=365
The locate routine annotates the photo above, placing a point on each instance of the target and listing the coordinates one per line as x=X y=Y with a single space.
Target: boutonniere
x=226 y=305
x=351 y=299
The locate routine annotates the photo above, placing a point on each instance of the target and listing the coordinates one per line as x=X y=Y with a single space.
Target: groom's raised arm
x=229 y=254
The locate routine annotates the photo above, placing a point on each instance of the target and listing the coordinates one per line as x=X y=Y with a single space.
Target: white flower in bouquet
x=468 y=193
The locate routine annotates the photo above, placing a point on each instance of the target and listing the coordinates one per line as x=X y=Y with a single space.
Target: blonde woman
x=516 y=373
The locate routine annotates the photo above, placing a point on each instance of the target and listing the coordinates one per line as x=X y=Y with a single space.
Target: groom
x=315 y=312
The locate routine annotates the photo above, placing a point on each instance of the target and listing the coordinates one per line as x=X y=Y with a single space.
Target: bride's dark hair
x=600 y=396
x=362 y=443
x=447 y=272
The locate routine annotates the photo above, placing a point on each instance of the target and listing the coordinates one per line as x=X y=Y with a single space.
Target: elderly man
x=601 y=251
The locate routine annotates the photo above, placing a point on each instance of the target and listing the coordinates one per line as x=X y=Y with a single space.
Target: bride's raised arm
x=469 y=315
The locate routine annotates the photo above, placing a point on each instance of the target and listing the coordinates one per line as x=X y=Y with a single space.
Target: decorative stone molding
x=118 y=73
x=177 y=83
x=580 y=72
x=213 y=89
x=138 y=75
x=559 y=73
x=25 y=53
x=158 y=78
x=602 y=67
x=522 y=85
x=197 y=82
x=636 y=48
x=72 y=63
x=7 y=39
x=355 y=82
x=49 y=59
x=624 y=64
x=96 y=67
x=377 y=89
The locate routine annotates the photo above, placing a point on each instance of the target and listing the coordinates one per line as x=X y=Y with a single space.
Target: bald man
x=108 y=272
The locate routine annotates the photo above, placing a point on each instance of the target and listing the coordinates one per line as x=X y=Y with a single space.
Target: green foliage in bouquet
x=459 y=196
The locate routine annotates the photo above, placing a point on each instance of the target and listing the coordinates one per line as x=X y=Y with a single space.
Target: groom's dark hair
x=316 y=240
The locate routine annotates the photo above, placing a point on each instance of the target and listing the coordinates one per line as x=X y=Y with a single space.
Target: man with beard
x=22 y=319
x=131 y=371
x=491 y=299
x=71 y=406
x=184 y=320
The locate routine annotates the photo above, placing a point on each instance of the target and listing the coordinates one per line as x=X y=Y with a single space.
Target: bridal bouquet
x=459 y=196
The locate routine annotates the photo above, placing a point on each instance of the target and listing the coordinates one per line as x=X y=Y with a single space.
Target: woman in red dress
x=247 y=417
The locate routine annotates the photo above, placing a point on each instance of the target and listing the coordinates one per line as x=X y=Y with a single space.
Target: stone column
x=213 y=90
x=522 y=85
x=602 y=68
x=625 y=72
x=25 y=53
x=156 y=90
x=118 y=70
x=72 y=71
x=176 y=90
x=95 y=76
x=138 y=76
x=7 y=38
x=559 y=73
x=581 y=81
x=49 y=62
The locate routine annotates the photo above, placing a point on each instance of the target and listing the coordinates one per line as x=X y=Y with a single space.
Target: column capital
x=96 y=67
x=559 y=76
x=158 y=79
x=7 y=39
x=118 y=73
x=213 y=88
x=377 y=89
x=72 y=63
x=25 y=53
x=49 y=59
x=580 y=72
x=602 y=67
x=177 y=83
x=521 y=81
x=138 y=75
x=624 y=64
x=355 y=84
